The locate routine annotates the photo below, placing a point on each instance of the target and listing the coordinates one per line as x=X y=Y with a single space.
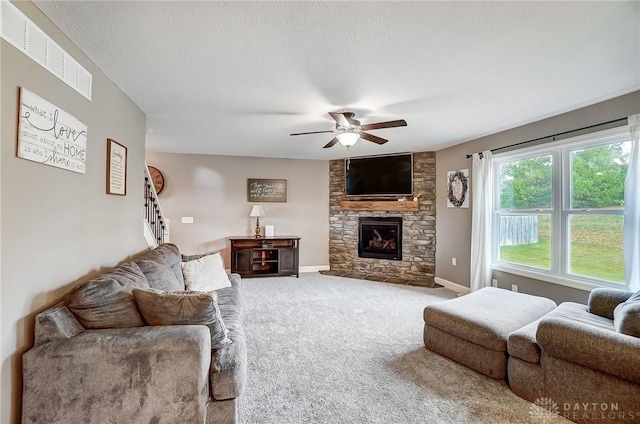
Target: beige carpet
x=325 y=349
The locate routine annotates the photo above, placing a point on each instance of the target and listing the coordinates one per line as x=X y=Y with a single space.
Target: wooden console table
x=266 y=256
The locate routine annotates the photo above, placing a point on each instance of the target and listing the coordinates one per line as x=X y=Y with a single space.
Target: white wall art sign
x=49 y=135
x=458 y=189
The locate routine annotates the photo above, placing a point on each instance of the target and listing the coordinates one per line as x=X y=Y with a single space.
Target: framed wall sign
x=266 y=190
x=116 y=168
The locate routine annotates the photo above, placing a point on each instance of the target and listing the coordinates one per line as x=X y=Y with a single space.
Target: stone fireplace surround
x=417 y=266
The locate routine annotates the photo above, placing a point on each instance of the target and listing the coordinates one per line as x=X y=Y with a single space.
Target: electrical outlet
x=187 y=220
x=454 y=261
x=494 y=283
x=514 y=287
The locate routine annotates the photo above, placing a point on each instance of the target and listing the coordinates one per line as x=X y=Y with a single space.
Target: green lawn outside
x=596 y=247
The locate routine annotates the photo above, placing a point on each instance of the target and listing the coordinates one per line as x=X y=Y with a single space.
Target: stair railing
x=156 y=226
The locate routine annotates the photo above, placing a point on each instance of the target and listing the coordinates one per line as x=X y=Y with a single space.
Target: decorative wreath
x=465 y=186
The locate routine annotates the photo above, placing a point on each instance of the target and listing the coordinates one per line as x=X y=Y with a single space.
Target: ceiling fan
x=350 y=130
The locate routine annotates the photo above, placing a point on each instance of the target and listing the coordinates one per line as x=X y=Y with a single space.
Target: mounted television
x=390 y=175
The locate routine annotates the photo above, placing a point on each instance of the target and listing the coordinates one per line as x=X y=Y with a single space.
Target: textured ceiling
x=235 y=78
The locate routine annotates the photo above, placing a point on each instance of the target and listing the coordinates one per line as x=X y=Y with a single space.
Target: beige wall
x=213 y=190
x=453 y=226
x=58 y=226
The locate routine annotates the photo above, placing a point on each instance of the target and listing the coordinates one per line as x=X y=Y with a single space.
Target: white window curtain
x=482 y=192
x=632 y=210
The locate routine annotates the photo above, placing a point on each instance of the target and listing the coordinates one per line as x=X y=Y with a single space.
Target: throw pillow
x=626 y=318
x=205 y=274
x=159 y=307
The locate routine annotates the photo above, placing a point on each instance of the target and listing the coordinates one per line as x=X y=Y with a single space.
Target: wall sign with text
x=266 y=190
x=116 y=168
x=49 y=135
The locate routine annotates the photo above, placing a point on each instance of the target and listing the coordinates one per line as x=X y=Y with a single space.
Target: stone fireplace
x=380 y=238
x=416 y=264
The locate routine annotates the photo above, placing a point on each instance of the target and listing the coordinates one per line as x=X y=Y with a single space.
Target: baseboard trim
x=452 y=286
x=315 y=268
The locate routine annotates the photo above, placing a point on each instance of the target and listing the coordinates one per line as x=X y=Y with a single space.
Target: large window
x=559 y=209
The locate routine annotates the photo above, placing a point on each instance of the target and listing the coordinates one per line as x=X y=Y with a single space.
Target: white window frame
x=560 y=210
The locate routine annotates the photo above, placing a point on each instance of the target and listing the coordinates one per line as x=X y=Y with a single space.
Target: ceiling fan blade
x=388 y=124
x=373 y=138
x=344 y=119
x=312 y=132
x=331 y=143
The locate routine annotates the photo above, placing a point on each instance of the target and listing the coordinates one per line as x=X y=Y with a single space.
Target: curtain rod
x=553 y=136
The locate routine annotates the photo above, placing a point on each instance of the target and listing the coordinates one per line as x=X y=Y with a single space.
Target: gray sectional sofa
x=582 y=361
x=95 y=360
x=580 y=357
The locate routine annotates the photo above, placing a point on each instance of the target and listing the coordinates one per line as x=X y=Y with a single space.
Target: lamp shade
x=348 y=138
x=256 y=211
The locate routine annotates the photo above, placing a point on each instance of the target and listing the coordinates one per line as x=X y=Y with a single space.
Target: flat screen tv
x=390 y=175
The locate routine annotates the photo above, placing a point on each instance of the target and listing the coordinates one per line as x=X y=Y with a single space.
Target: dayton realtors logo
x=546 y=409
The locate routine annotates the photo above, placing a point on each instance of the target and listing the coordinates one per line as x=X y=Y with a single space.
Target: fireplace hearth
x=380 y=238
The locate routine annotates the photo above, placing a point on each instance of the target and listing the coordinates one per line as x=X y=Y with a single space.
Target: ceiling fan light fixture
x=349 y=130
x=348 y=139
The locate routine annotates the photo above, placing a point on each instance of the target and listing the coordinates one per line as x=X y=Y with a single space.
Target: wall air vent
x=19 y=31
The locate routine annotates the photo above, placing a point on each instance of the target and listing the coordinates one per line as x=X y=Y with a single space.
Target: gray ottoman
x=473 y=329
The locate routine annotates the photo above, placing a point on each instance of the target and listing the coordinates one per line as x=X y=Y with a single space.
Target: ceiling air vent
x=24 y=35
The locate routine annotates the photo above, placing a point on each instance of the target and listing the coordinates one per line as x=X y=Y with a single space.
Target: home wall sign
x=49 y=135
x=266 y=190
x=458 y=189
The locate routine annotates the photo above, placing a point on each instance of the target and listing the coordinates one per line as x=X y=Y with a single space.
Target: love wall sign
x=49 y=135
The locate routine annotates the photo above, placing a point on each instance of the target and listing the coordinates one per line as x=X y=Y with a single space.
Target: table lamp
x=257 y=212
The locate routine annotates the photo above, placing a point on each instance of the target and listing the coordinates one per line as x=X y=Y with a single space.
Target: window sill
x=553 y=279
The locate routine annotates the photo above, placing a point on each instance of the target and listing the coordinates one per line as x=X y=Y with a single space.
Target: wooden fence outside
x=518 y=229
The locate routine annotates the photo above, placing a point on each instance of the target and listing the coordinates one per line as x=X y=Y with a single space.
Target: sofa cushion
x=205 y=274
x=522 y=343
x=187 y=258
x=159 y=274
x=172 y=258
x=130 y=274
x=573 y=334
x=183 y=308
x=627 y=317
x=602 y=301
x=236 y=280
x=107 y=300
x=56 y=323
x=229 y=362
